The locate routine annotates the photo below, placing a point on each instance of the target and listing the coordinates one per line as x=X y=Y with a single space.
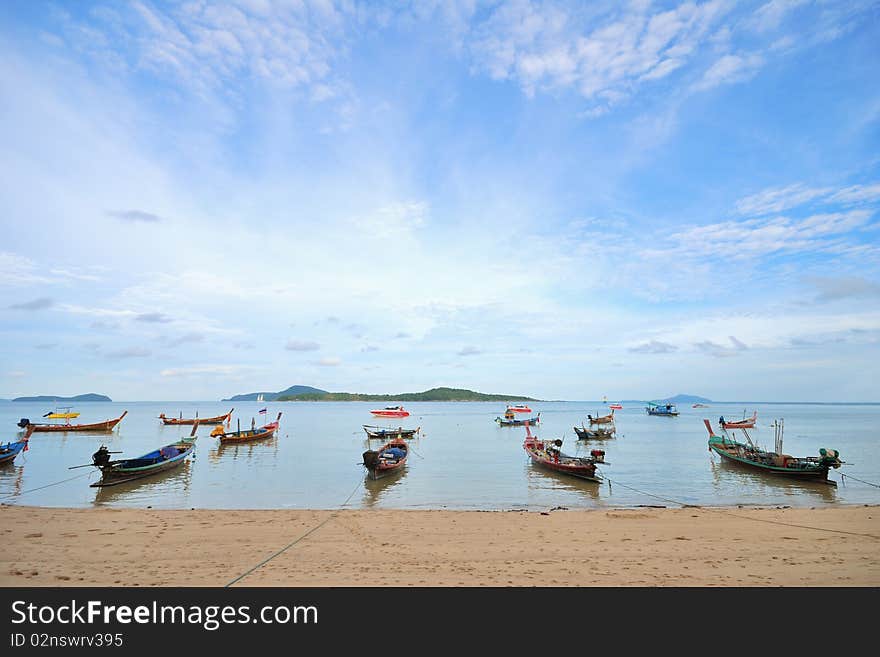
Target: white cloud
x=779 y=199
x=730 y=69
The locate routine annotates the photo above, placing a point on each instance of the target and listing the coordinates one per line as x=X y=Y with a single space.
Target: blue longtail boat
x=10 y=450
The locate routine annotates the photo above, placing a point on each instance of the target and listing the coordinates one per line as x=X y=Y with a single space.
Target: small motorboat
x=390 y=458
x=390 y=411
x=745 y=423
x=519 y=408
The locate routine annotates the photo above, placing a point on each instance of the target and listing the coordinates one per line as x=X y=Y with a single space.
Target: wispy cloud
x=186 y=338
x=135 y=216
x=301 y=345
x=129 y=352
x=730 y=69
x=329 y=362
x=37 y=304
x=469 y=351
x=719 y=350
x=654 y=347
x=153 y=318
x=197 y=370
x=849 y=287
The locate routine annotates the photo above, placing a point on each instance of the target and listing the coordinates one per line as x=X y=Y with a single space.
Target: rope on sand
x=297 y=540
x=736 y=515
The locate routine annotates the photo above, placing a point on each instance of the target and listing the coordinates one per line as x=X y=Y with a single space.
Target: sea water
x=461 y=459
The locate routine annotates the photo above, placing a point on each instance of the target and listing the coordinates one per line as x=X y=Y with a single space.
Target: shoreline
x=632 y=546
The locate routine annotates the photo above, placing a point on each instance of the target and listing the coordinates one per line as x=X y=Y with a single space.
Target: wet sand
x=632 y=547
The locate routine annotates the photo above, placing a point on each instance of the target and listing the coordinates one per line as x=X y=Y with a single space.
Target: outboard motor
x=101 y=457
x=371 y=459
x=23 y=423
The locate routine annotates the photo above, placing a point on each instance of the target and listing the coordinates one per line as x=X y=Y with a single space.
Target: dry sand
x=637 y=547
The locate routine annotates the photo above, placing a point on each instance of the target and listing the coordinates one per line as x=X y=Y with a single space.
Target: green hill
x=434 y=394
x=273 y=396
x=89 y=397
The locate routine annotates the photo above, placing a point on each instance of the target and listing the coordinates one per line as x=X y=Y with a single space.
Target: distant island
x=434 y=394
x=687 y=399
x=89 y=397
x=292 y=391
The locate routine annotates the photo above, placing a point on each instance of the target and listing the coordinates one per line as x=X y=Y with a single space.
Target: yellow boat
x=61 y=416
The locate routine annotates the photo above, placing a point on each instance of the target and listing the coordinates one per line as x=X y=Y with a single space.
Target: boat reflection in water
x=171 y=485
x=730 y=479
x=376 y=489
x=246 y=450
x=544 y=481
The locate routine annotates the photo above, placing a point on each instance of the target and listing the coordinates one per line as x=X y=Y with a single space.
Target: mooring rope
x=844 y=476
x=736 y=515
x=31 y=490
x=297 y=540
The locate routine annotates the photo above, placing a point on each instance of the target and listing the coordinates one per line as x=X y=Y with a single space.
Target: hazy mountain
x=273 y=396
x=89 y=397
x=434 y=394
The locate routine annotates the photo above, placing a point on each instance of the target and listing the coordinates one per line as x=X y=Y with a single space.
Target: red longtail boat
x=390 y=458
x=548 y=454
x=745 y=423
x=106 y=425
x=257 y=433
x=217 y=419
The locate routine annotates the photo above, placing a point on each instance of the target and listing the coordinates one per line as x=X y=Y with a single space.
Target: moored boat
x=510 y=421
x=615 y=407
x=106 y=425
x=217 y=419
x=603 y=419
x=665 y=409
x=749 y=454
x=387 y=432
x=10 y=450
x=390 y=458
x=254 y=433
x=519 y=408
x=120 y=471
x=548 y=454
x=390 y=411
x=593 y=434
x=745 y=423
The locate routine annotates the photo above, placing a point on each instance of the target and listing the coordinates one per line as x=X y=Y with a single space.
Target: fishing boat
x=548 y=454
x=390 y=411
x=519 y=408
x=665 y=409
x=593 y=434
x=699 y=405
x=387 y=432
x=749 y=454
x=510 y=421
x=254 y=433
x=745 y=423
x=390 y=458
x=120 y=471
x=217 y=419
x=10 y=450
x=604 y=419
x=106 y=425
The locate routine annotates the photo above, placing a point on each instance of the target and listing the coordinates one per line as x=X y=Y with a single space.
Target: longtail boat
x=217 y=419
x=519 y=408
x=159 y=460
x=10 y=450
x=510 y=421
x=548 y=454
x=593 y=434
x=390 y=411
x=663 y=410
x=390 y=458
x=749 y=454
x=106 y=425
x=745 y=423
x=603 y=419
x=386 y=432
x=254 y=433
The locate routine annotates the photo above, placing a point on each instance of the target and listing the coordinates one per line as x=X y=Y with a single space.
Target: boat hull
x=107 y=425
x=219 y=419
x=378 y=467
x=530 y=421
x=388 y=434
x=818 y=473
x=9 y=451
x=568 y=465
x=390 y=413
x=593 y=434
x=120 y=473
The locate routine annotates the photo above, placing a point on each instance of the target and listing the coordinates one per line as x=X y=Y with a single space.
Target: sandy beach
x=626 y=547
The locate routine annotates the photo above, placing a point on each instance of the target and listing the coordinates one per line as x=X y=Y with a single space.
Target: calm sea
x=461 y=460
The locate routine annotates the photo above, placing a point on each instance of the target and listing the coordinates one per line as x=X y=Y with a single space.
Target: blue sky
x=562 y=200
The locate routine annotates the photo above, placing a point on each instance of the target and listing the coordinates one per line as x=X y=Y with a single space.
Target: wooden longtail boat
x=593 y=434
x=390 y=411
x=217 y=419
x=548 y=454
x=10 y=450
x=663 y=410
x=239 y=436
x=385 y=432
x=106 y=425
x=745 y=423
x=603 y=419
x=151 y=463
x=520 y=408
x=508 y=421
x=749 y=454
x=390 y=458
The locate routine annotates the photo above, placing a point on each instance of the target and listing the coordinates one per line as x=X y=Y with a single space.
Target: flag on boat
x=264 y=410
